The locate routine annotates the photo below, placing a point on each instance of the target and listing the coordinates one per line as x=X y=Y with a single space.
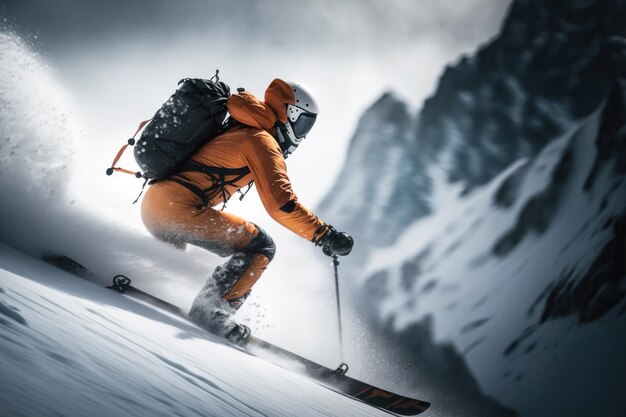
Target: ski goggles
x=303 y=124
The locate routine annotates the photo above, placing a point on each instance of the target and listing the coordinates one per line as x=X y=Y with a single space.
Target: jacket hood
x=277 y=96
x=246 y=108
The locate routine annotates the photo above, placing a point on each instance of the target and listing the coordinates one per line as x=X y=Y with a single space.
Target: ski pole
x=342 y=369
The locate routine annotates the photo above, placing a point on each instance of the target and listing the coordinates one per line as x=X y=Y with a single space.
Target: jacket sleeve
x=267 y=165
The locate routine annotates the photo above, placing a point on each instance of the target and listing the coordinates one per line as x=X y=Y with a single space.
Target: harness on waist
x=219 y=179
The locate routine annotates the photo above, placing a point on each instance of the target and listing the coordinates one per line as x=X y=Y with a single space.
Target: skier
x=180 y=209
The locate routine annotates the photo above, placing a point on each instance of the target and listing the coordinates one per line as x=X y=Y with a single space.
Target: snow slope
x=72 y=348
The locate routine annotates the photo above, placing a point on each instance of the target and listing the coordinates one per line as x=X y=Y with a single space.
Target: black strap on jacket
x=218 y=176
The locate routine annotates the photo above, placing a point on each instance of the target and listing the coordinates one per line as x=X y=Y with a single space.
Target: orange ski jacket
x=253 y=146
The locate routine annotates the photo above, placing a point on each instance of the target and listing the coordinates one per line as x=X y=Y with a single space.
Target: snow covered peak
x=510 y=273
x=379 y=172
x=389 y=108
x=510 y=99
x=509 y=248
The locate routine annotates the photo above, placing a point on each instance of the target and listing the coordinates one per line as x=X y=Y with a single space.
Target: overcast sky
x=121 y=59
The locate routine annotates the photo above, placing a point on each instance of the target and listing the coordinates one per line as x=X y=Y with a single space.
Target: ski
x=335 y=380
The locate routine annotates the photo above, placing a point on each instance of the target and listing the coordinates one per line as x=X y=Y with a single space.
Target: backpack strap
x=218 y=176
x=197 y=191
x=130 y=142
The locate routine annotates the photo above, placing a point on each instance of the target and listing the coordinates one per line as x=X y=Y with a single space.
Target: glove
x=333 y=242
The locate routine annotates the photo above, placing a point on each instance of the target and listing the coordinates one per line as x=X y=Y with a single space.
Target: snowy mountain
x=524 y=286
x=502 y=229
x=552 y=63
x=382 y=139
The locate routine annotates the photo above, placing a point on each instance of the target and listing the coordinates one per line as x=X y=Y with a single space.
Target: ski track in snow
x=72 y=348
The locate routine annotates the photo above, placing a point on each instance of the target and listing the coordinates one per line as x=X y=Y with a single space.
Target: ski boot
x=214 y=316
x=240 y=333
x=230 y=330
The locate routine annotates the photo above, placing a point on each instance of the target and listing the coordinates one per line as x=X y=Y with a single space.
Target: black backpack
x=193 y=115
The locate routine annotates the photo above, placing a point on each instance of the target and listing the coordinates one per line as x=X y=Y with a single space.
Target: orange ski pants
x=171 y=213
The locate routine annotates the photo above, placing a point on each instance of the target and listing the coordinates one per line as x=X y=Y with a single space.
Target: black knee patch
x=262 y=243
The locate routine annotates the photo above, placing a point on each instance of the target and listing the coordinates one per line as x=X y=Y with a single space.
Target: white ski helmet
x=301 y=117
